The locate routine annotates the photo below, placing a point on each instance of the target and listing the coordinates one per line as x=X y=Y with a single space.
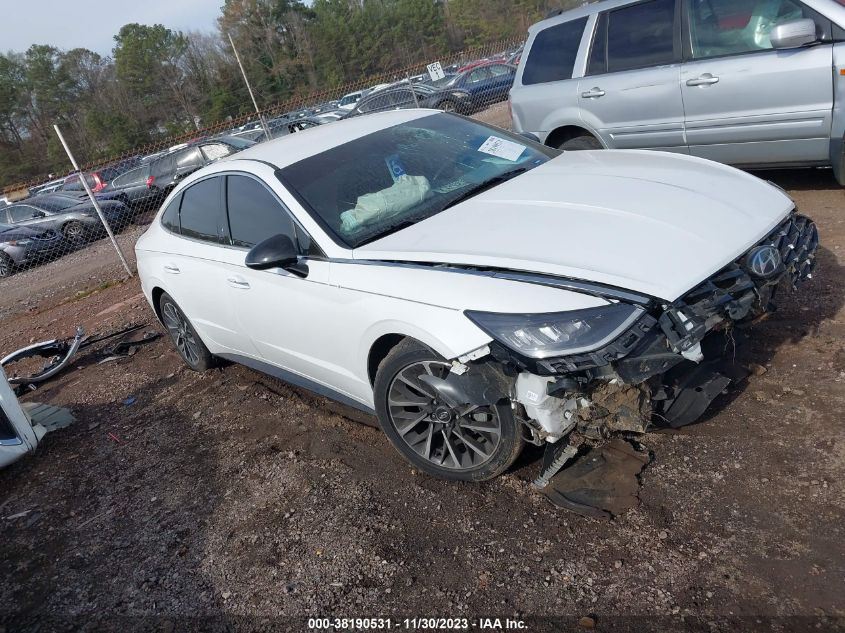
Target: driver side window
x=734 y=27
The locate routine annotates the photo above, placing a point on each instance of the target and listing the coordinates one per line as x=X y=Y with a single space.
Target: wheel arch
x=564 y=133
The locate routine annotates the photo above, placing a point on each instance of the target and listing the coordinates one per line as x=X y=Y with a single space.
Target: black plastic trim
x=297 y=380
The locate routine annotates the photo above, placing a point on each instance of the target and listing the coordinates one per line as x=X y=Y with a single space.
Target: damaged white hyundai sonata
x=473 y=289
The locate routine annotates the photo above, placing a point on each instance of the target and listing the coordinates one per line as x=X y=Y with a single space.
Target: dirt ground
x=228 y=501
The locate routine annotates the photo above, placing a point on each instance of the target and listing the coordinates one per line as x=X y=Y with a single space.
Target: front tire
x=188 y=343
x=581 y=143
x=7 y=266
x=447 y=106
x=75 y=234
x=475 y=443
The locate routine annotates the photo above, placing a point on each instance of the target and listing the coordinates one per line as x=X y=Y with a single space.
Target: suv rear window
x=641 y=35
x=552 y=55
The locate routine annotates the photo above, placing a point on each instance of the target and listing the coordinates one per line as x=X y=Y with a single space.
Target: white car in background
x=349 y=101
x=472 y=288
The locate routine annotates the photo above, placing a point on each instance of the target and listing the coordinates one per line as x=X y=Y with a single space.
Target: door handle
x=595 y=93
x=238 y=282
x=705 y=80
x=173 y=269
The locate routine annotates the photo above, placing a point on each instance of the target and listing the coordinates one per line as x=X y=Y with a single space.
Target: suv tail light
x=151 y=181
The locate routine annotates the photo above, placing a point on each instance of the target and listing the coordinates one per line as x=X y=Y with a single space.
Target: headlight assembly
x=559 y=333
x=21 y=242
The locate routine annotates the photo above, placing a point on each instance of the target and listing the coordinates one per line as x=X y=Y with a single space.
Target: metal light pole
x=96 y=204
x=248 y=87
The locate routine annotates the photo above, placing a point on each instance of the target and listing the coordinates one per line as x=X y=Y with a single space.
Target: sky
x=93 y=24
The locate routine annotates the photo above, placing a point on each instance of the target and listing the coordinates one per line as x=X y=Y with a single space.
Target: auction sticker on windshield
x=502 y=148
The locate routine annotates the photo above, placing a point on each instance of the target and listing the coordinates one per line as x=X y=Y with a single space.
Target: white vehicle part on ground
x=17 y=434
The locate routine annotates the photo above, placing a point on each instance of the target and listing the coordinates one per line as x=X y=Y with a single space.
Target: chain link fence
x=50 y=227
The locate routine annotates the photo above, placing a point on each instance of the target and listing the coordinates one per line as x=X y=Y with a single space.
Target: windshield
x=372 y=186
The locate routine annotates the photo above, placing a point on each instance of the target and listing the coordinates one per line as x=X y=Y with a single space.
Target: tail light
x=99 y=185
x=151 y=181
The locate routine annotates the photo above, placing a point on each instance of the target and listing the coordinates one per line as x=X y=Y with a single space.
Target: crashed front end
x=638 y=359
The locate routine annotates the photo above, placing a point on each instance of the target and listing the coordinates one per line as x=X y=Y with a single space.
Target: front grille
x=735 y=293
x=797 y=240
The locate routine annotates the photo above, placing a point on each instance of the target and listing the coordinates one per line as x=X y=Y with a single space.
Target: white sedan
x=472 y=288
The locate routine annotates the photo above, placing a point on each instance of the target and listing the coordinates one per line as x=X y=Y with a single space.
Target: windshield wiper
x=484 y=186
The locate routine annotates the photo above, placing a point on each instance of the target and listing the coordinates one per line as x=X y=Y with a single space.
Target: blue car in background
x=486 y=83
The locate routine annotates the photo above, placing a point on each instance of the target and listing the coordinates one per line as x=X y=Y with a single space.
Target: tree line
x=158 y=82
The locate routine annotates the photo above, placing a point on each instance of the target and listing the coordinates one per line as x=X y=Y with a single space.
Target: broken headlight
x=560 y=333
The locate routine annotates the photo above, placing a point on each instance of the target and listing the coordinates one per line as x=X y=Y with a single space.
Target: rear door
x=747 y=103
x=196 y=269
x=631 y=93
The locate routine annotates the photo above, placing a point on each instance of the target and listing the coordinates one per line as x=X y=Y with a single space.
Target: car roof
x=293 y=148
x=580 y=12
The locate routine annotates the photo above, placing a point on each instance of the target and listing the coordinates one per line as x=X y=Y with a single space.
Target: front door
x=747 y=103
x=631 y=94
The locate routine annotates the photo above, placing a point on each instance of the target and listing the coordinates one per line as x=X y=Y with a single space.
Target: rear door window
x=641 y=35
x=255 y=214
x=201 y=215
x=170 y=217
x=552 y=55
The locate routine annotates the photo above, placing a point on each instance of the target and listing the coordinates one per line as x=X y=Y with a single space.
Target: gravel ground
x=229 y=501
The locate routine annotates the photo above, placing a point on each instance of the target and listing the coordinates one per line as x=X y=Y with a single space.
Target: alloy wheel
x=182 y=334
x=452 y=438
x=5 y=266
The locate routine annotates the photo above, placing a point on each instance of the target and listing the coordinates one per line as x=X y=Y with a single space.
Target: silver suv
x=751 y=83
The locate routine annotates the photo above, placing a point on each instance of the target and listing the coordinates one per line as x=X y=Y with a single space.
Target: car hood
x=651 y=222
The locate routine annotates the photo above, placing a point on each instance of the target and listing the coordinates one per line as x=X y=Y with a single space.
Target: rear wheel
x=7 y=266
x=580 y=143
x=470 y=443
x=188 y=343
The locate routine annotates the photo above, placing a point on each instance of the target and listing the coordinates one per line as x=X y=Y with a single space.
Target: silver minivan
x=752 y=83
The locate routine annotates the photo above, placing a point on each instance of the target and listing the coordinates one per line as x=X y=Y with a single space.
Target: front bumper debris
x=667 y=368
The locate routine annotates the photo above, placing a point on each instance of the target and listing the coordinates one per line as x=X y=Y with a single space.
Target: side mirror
x=278 y=251
x=530 y=136
x=793 y=34
x=39 y=214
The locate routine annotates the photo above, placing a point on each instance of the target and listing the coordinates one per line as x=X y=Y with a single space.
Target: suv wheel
x=580 y=143
x=472 y=443
x=7 y=266
x=188 y=343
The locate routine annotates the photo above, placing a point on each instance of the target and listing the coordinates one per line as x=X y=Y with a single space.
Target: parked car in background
x=752 y=83
x=137 y=187
x=348 y=101
x=169 y=169
x=20 y=246
x=47 y=187
x=96 y=182
x=73 y=217
x=487 y=83
x=400 y=97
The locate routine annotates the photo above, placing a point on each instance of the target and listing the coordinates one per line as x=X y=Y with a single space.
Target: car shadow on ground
x=801 y=179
